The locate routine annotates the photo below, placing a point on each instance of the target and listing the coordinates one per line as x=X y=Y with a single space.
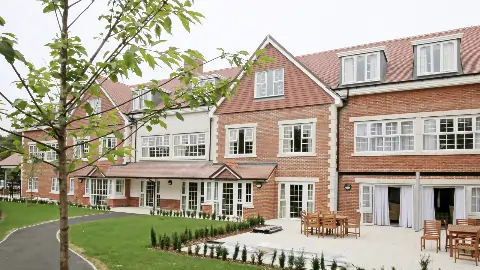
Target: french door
x=99 y=191
x=150 y=193
x=232 y=200
x=295 y=198
x=191 y=194
x=366 y=204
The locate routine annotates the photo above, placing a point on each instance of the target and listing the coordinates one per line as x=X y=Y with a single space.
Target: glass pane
x=407 y=127
x=429 y=142
x=376 y=144
x=429 y=126
x=446 y=125
x=361 y=130
x=360 y=68
x=391 y=128
x=376 y=129
x=361 y=144
x=306 y=131
x=464 y=141
x=391 y=144
x=436 y=58
x=449 y=56
x=428 y=58
x=407 y=143
x=372 y=67
x=465 y=124
x=348 y=69
x=447 y=141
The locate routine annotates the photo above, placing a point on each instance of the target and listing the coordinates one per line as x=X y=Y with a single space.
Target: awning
x=186 y=170
x=11 y=161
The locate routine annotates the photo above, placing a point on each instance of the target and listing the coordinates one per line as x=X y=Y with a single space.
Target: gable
x=225 y=172
x=300 y=89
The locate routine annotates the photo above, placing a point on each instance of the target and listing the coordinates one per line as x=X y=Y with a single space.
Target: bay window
x=385 y=136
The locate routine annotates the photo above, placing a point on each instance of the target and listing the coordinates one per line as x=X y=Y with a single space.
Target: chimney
x=196 y=71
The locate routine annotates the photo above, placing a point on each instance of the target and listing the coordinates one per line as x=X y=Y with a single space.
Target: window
x=189 y=145
x=241 y=141
x=33 y=184
x=81 y=150
x=209 y=191
x=437 y=58
x=139 y=98
x=203 y=82
x=475 y=200
x=96 y=105
x=269 y=83
x=361 y=68
x=297 y=138
x=310 y=199
x=248 y=193
x=450 y=133
x=386 y=136
x=33 y=150
x=87 y=187
x=71 y=189
x=156 y=146
x=55 y=188
x=119 y=187
x=51 y=154
x=108 y=144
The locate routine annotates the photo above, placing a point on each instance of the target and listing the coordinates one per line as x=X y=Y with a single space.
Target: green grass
x=17 y=215
x=123 y=243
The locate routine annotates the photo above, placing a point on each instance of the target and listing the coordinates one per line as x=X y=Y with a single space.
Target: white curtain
x=381 y=207
x=448 y=56
x=459 y=204
x=428 y=203
x=406 y=207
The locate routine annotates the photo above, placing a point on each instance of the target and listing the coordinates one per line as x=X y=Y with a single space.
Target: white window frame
x=51 y=155
x=248 y=197
x=179 y=136
x=96 y=104
x=139 y=102
x=283 y=123
x=384 y=136
x=32 y=185
x=228 y=139
x=258 y=95
x=147 y=139
x=307 y=201
x=355 y=57
x=475 y=131
x=71 y=186
x=87 y=187
x=55 y=185
x=119 y=185
x=101 y=145
x=81 y=149
x=455 y=56
x=33 y=151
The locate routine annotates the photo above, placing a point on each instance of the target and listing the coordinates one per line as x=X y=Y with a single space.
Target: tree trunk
x=62 y=143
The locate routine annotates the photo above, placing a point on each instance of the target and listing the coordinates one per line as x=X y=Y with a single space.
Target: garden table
x=463 y=230
x=341 y=220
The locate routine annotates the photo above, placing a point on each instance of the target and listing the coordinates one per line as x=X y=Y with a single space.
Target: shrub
x=223 y=217
x=215 y=231
x=281 y=260
x=300 y=261
x=206 y=232
x=274 y=257
x=153 y=237
x=158 y=212
x=244 y=254
x=208 y=216
x=197 y=250
x=179 y=246
x=262 y=221
x=221 y=230
x=213 y=216
x=227 y=228
x=171 y=212
x=167 y=242
x=235 y=251
x=334 y=265
x=194 y=214
x=218 y=251
x=161 y=242
x=224 y=254
x=228 y=218
x=212 y=231
x=212 y=251
x=315 y=263
x=189 y=251
x=175 y=240
x=196 y=234
x=424 y=262
x=322 y=263
x=108 y=207
x=151 y=211
x=204 y=215
x=260 y=255
x=252 y=258
x=291 y=259
x=205 y=247
x=190 y=236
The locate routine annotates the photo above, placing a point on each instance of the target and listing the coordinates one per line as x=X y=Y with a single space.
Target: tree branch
x=80 y=12
x=18 y=152
x=75 y=3
x=27 y=88
x=33 y=140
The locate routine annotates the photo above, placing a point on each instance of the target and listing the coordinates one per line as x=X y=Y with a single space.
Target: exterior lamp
x=259 y=185
x=80 y=180
x=347 y=187
x=169 y=182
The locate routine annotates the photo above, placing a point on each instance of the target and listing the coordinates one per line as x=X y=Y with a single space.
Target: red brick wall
x=267 y=144
x=264 y=200
x=439 y=99
x=170 y=204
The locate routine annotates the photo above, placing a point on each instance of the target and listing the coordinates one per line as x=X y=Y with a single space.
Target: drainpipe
x=135 y=141
x=345 y=103
x=417 y=204
x=210 y=137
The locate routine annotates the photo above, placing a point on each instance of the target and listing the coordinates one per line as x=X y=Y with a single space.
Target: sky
x=301 y=26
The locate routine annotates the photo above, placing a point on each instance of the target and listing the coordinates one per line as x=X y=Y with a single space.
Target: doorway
x=394 y=205
x=295 y=198
x=444 y=202
x=150 y=193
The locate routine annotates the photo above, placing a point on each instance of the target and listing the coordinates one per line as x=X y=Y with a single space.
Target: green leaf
x=114 y=77
x=2 y=21
x=185 y=22
x=150 y=104
x=151 y=60
x=7 y=51
x=167 y=24
x=260 y=51
x=179 y=116
x=149 y=128
x=158 y=30
x=128 y=58
x=118 y=134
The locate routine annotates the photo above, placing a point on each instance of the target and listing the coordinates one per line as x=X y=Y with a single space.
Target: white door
x=149 y=193
x=190 y=198
x=366 y=204
x=293 y=198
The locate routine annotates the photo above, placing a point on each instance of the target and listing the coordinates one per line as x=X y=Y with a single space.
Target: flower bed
x=199 y=215
x=53 y=202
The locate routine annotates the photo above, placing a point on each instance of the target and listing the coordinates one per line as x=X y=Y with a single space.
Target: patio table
x=340 y=219
x=463 y=230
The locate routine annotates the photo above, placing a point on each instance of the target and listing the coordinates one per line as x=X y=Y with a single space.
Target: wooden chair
x=461 y=221
x=447 y=235
x=353 y=223
x=431 y=231
x=471 y=245
x=303 y=215
x=312 y=223
x=329 y=222
x=472 y=222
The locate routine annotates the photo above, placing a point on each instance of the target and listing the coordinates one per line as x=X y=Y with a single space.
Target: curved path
x=37 y=248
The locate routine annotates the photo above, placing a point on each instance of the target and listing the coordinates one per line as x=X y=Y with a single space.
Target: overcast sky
x=302 y=27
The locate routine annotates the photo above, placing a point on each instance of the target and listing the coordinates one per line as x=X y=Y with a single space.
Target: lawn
x=18 y=215
x=122 y=243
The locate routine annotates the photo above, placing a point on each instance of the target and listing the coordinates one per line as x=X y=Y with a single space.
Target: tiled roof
x=11 y=161
x=399 y=54
x=119 y=92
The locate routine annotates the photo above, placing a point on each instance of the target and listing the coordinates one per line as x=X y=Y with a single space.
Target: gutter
x=210 y=136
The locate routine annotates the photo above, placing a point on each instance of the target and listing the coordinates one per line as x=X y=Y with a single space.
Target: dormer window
x=139 y=98
x=437 y=57
x=361 y=68
x=269 y=83
x=202 y=82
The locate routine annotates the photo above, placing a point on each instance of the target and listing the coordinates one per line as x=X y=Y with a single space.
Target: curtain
x=372 y=70
x=381 y=207
x=406 y=207
x=348 y=69
x=459 y=204
x=422 y=59
x=448 y=56
x=428 y=203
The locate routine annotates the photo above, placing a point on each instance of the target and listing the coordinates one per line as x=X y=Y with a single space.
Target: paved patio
x=378 y=246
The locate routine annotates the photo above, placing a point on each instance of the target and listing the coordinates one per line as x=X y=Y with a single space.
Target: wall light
x=80 y=180
x=169 y=182
x=347 y=187
x=259 y=185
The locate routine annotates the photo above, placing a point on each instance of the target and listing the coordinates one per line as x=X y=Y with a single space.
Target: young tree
x=132 y=33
